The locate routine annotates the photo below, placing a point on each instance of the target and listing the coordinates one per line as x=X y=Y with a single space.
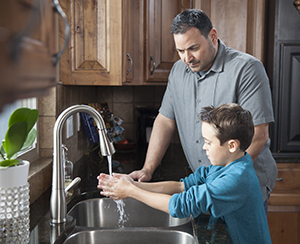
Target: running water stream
x=120 y=203
x=109 y=159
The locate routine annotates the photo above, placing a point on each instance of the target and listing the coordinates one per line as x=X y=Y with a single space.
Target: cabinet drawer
x=288 y=176
x=287 y=187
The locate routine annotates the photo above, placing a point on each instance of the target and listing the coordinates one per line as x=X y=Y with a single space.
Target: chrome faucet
x=58 y=204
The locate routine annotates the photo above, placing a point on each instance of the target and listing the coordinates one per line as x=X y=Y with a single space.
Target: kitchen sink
x=132 y=236
x=103 y=213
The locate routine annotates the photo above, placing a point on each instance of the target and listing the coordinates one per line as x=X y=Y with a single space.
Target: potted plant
x=14 y=188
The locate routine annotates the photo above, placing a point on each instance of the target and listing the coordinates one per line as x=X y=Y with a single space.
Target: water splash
x=120 y=209
x=120 y=203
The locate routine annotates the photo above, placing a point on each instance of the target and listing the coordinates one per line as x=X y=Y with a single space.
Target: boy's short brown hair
x=231 y=121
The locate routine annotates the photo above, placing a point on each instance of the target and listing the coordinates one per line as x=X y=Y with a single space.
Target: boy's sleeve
x=198 y=177
x=221 y=196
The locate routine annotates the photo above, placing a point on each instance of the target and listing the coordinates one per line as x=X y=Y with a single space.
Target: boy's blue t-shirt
x=231 y=193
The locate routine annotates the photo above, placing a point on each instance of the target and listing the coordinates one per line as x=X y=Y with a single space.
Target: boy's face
x=217 y=154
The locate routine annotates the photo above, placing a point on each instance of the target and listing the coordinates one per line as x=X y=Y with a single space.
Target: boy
x=228 y=189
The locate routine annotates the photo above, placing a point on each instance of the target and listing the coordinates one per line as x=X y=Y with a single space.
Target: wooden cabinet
x=284 y=205
x=129 y=42
x=117 y=42
x=27 y=46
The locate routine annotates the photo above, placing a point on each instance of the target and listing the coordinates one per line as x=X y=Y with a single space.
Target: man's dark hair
x=191 y=18
x=231 y=121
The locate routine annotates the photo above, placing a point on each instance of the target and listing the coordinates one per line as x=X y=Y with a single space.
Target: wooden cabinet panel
x=284 y=224
x=287 y=188
x=160 y=51
x=284 y=205
x=133 y=57
x=288 y=176
x=27 y=46
x=94 y=55
x=240 y=23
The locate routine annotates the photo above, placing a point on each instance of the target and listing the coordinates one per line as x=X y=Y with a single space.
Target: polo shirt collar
x=218 y=63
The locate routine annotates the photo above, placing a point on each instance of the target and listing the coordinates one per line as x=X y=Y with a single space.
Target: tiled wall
x=122 y=102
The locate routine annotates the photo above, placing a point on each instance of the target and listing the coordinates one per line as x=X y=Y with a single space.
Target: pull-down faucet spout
x=58 y=205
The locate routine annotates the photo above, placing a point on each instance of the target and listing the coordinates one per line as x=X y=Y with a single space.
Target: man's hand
x=141 y=175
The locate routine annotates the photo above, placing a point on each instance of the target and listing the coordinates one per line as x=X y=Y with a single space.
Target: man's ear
x=233 y=145
x=213 y=36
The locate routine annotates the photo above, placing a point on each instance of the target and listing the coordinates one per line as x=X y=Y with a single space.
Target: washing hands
x=117 y=186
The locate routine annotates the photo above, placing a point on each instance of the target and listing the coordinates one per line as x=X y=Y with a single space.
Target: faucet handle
x=74 y=183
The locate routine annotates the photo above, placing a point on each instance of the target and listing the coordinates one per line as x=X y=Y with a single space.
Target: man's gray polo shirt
x=235 y=77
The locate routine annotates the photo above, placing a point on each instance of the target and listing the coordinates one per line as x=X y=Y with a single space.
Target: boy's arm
x=167 y=187
x=119 y=188
x=155 y=200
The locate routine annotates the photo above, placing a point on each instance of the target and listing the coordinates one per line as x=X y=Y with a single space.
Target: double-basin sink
x=102 y=220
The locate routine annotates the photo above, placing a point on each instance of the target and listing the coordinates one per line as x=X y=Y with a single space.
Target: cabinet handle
x=57 y=8
x=27 y=29
x=153 y=65
x=279 y=179
x=131 y=62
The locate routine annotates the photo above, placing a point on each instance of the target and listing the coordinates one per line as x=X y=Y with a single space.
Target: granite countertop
x=172 y=167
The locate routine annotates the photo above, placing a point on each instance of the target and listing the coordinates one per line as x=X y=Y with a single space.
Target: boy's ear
x=233 y=145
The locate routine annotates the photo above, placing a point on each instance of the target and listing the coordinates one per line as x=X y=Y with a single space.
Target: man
x=210 y=74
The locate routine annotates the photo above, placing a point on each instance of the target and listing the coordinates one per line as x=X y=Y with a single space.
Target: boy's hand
x=116 y=187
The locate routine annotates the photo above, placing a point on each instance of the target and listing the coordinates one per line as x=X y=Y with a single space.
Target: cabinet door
x=284 y=205
x=160 y=51
x=240 y=23
x=94 y=55
x=284 y=224
x=27 y=46
x=133 y=42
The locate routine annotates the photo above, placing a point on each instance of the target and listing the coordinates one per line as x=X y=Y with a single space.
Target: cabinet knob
x=279 y=179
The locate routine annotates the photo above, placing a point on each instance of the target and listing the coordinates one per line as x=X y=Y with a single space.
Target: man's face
x=197 y=52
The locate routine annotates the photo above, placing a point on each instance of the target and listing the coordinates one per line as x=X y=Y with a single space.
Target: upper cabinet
x=114 y=42
x=27 y=48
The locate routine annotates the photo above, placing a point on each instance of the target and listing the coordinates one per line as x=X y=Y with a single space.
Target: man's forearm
x=161 y=135
x=261 y=136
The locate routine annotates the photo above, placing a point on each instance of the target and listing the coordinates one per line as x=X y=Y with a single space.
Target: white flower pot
x=14 y=204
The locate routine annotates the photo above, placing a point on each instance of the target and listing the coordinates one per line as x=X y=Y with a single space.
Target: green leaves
x=15 y=138
x=27 y=115
x=19 y=136
x=9 y=162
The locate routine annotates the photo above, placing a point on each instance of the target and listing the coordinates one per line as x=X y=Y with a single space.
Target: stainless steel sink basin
x=102 y=213
x=135 y=236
